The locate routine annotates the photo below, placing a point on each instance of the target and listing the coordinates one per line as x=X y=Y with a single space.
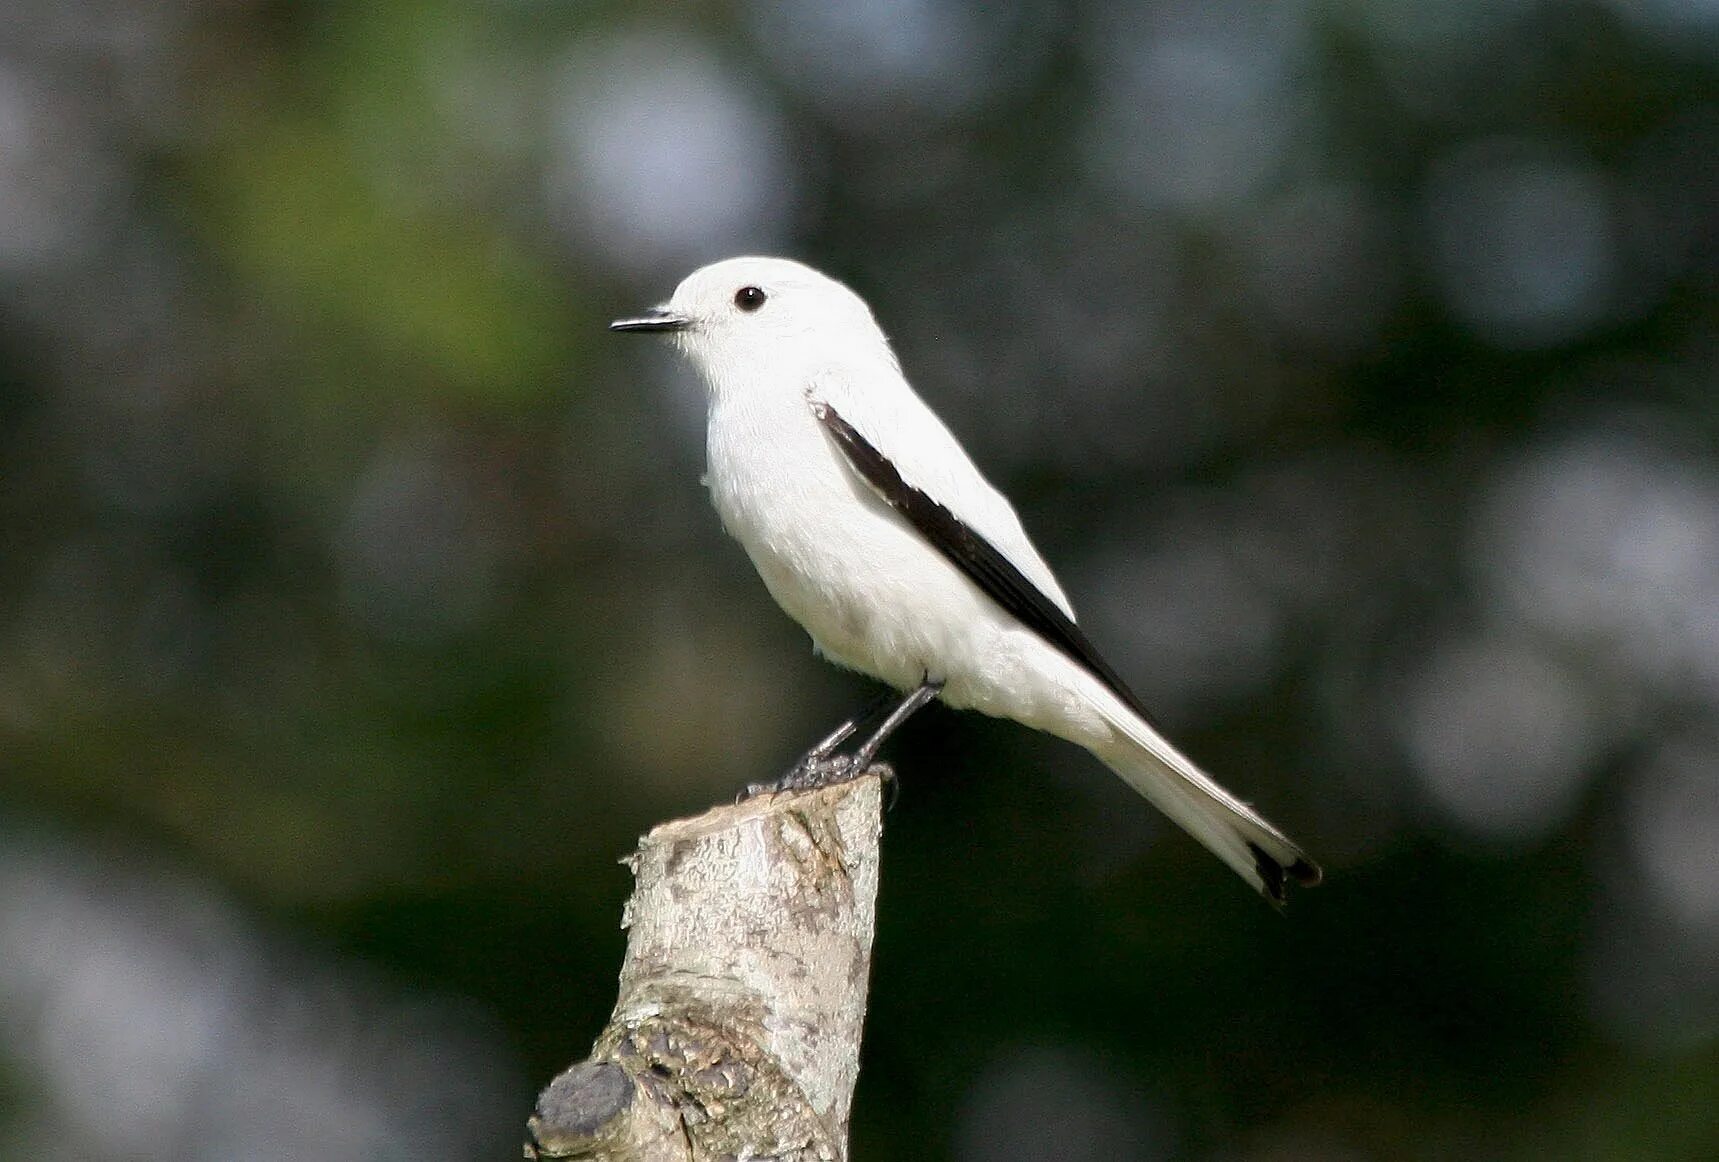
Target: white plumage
x=780 y=345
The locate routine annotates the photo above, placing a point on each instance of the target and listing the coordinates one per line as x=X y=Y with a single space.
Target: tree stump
x=736 y=1031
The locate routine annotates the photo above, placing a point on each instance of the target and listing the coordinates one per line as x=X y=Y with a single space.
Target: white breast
x=838 y=559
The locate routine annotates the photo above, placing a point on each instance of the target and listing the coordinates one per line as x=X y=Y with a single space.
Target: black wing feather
x=980 y=560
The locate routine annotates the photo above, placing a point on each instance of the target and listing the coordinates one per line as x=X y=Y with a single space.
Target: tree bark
x=736 y=1032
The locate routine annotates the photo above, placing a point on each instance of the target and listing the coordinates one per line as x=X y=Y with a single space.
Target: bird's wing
x=884 y=409
x=997 y=575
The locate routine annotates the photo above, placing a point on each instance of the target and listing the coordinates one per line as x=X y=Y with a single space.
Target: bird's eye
x=749 y=298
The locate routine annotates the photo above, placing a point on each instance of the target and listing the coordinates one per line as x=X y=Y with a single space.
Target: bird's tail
x=1229 y=828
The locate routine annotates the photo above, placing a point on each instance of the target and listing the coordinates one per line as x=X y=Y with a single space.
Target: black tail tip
x=1275 y=877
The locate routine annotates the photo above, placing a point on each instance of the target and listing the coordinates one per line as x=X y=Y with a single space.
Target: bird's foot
x=822 y=767
x=823 y=771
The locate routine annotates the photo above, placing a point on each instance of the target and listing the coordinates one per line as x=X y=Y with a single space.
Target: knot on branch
x=679 y=1090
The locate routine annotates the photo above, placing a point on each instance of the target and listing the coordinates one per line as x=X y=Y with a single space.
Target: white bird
x=873 y=529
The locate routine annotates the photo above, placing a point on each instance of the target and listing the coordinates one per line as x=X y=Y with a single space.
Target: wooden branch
x=737 y=1029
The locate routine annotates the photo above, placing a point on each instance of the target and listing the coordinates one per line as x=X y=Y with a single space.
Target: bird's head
x=742 y=315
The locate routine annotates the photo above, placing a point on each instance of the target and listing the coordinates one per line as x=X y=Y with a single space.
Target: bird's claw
x=826 y=771
x=805 y=775
x=822 y=767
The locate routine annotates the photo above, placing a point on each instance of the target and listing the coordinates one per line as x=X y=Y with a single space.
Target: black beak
x=656 y=320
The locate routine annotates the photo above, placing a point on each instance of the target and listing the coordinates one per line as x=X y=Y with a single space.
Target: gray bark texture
x=736 y=1033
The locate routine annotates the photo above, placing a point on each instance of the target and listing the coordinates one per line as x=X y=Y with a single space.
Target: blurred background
x=1352 y=360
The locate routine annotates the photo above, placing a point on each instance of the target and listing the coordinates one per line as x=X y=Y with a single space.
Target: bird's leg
x=842 y=733
x=821 y=767
x=804 y=771
x=911 y=705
